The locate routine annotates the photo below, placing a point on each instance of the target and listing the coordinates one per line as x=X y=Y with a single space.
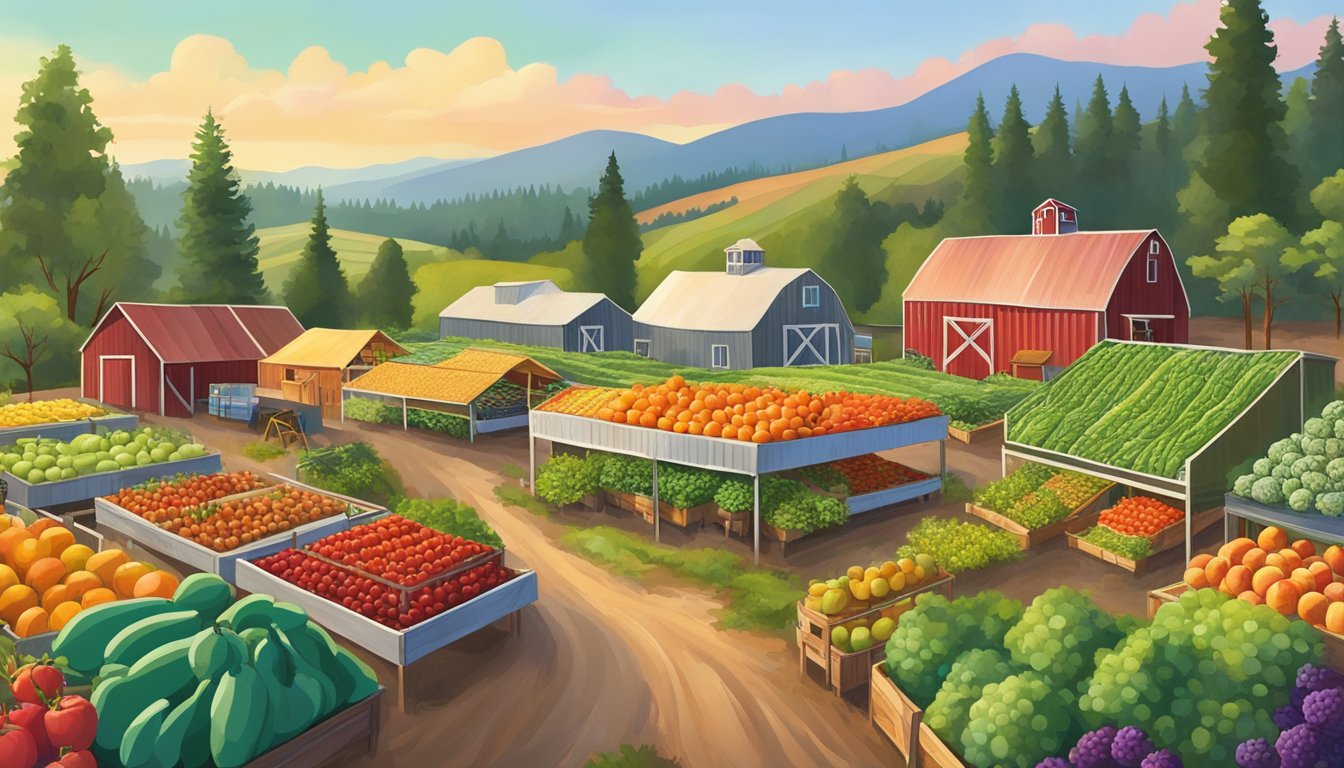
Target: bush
x=437 y=421
x=734 y=496
x=960 y=546
x=631 y=757
x=354 y=470
x=807 y=512
x=626 y=474
x=1059 y=636
x=371 y=411
x=936 y=631
x=686 y=487
x=566 y=478
x=448 y=516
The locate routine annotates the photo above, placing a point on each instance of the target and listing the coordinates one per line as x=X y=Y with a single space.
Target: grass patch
x=515 y=496
x=262 y=451
x=628 y=756
x=955 y=490
x=511 y=471
x=759 y=599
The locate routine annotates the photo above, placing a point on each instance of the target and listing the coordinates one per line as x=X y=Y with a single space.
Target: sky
x=336 y=83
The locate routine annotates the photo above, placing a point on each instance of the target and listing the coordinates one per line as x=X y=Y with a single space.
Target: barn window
x=811 y=295
x=642 y=347
x=1152 y=269
x=289 y=374
x=718 y=356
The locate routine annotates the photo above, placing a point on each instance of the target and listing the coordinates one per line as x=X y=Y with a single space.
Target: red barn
x=1031 y=303
x=164 y=357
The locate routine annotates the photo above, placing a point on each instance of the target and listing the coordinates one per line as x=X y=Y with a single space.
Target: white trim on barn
x=590 y=341
x=968 y=339
x=806 y=333
x=101 y=358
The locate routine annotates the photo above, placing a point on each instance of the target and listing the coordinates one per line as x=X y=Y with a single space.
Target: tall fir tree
x=1327 y=106
x=67 y=221
x=852 y=259
x=611 y=243
x=1185 y=121
x=501 y=247
x=977 y=192
x=1125 y=139
x=316 y=291
x=1053 y=167
x=1014 y=189
x=1093 y=146
x=568 y=228
x=217 y=240
x=386 y=293
x=1243 y=162
x=1162 y=139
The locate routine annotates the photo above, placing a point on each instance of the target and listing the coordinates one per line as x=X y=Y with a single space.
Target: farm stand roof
x=498 y=363
x=330 y=348
x=458 y=381
x=1144 y=407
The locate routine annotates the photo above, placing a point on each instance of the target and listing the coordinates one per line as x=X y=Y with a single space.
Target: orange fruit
x=1215 y=571
x=1334 y=590
x=1305 y=580
x=55 y=595
x=8 y=577
x=58 y=538
x=75 y=557
x=1236 y=549
x=97 y=597
x=1195 y=578
x=1277 y=560
x=1290 y=555
x=62 y=614
x=1254 y=559
x=1283 y=596
x=1266 y=577
x=80 y=582
x=41 y=524
x=1272 y=539
x=1251 y=597
x=1303 y=548
x=1324 y=576
x=31 y=622
x=26 y=552
x=1334 y=557
x=1238 y=580
x=1312 y=608
x=155 y=584
x=106 y=563
x=44 y=574
x=14 y=601
x=1334 y=618
x=123 y=581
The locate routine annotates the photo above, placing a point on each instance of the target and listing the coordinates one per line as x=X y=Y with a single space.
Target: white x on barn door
x=591 y=338
x=809 y=344
x=967 y=333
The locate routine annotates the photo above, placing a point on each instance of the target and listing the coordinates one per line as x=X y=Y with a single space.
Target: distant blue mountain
x=165 y=172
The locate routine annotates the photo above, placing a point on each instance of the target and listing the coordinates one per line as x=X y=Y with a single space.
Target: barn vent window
x=642 y=347
x=1152 y=269
x=718 y=356
x=811 y=296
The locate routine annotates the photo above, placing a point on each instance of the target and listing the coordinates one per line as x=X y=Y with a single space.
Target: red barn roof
x=1073 y=271
x=187 y=333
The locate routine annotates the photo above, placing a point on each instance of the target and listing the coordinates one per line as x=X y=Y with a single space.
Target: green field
x=965 y=400
x=281 y=248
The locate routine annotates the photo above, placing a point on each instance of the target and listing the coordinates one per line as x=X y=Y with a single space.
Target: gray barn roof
x=715 y=301
x=540 y=302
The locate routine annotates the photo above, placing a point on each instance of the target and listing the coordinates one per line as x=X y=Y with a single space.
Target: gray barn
x=538 y=313
x=748 y=316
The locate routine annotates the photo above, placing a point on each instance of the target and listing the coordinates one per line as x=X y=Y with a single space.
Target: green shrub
x=354 y=470
x=627 y=474
x=734 y=496
x=959 y=546
x=566 y=478
x=371 y=411
x=631 y=757
x=437 y=421
x=686 y=486
x=449 y=516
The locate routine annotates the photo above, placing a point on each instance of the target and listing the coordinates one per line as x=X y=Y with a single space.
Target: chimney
x=744 y=256
x=1054 y=218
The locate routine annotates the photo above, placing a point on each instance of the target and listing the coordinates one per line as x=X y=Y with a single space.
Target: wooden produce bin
x=977 y=435
x=849 y=671
x=1084 y=516
x=66 y=430
x=75 y=489
x=1168 y=538
x=1333 y=643
x=40 y=644
x=898 y=718
x=333 y=737
x=163 y=542
x=814 y=628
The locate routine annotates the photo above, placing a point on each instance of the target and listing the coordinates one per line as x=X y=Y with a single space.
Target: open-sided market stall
x=734 y=456
x=1170 y=420
x=492 y=391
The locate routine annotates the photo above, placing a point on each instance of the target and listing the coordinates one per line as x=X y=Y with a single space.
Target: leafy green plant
x=437 y=421
x=1132 y=547
x=566 y=478
x=959 y=546
x=449 y=516
x=626 y=474
x=371 y=411
x=734 y=496
x=629 y=756
x=807 y=512
x=930 y=636
x=263 y=451
x=1001 y=495
x=686 y=486
x=354 y=469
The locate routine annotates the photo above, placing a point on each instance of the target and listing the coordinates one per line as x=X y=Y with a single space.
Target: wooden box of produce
x=901 y=720
x=356 y=724
x=976 y=435
x=202 y=558
x=850 y=670
x=1165 y=539
x=1083 y=516
x=64 y=430
x=58 y=492
x=684 y=517
x=630 y=502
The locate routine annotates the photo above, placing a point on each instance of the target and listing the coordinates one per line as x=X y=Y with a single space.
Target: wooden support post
x=756 y=529
x=528 y=394
x=531 y=462
x=471 y=421
x=657 y=529
x=1189 y=535
x=343 y=399
x=942 y=461
x=405 y=420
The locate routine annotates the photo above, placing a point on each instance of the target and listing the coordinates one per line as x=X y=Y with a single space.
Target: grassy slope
x=282 y=246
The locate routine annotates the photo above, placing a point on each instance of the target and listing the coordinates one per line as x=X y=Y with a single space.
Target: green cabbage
x=1301 y=500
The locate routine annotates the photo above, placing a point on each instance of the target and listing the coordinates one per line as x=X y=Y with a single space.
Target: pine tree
x=611 y=244
x=1053 y=167
x=1093 y=147
x=316 y=290
x=67 y=221
x=218 y=240
x=500 y=247
x=852 y=259
x=1185 y=122
x=568 y=229
x=1327 y=106
x=1244 y=160
x=1162 y=139
x=1125 y=140
x=387 y=291
x=977 y=192
x=1013 y=184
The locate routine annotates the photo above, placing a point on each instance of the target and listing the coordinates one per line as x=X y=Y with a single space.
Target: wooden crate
x=683 y=517
x=893 y=714
x=1168 y=538
x=934 y=752
x=852 y=670
x=76 y=489
x=65 y=431
x=1084 y=516
x=1333 y=644
x=334 y=737
x=979 y=434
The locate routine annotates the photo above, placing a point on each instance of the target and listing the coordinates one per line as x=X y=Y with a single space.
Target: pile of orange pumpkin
x=46 y=578
x=1291 y=578
x=755 y=414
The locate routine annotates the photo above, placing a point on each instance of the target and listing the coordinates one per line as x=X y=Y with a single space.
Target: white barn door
x=592 y=338
x=812 y=344
x=968 y=346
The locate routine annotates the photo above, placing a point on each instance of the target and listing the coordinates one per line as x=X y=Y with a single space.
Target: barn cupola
x=1054 y=218
x=744 y=256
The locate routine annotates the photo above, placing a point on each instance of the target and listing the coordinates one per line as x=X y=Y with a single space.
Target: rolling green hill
x=282 y=246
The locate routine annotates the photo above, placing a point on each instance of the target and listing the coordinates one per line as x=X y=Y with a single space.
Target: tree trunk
x=1246 y=316
x=28 y=369
x=1335 y=297
x=1269 y=314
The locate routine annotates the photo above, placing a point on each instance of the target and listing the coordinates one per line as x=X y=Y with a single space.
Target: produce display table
x=977 y=435
x=1081 y=518
x=202 y=558
x=1168 y=538
x=898 y=718
x=894 y=495
x=334 y=736
x=40 y=644
x=76 y=489
x=1241 y=511
x=65 y=430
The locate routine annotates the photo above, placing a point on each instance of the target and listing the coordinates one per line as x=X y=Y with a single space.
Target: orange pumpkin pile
x=1290 y=578
x=755 y=414
x=46 y=578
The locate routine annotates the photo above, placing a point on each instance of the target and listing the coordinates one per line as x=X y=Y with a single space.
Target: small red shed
x=164 y=357
x=978 y=305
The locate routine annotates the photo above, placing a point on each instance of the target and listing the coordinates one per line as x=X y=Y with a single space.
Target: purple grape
x=1332 y=751
x=1054 y=762
x=1162 y=758
x=1324 y=709
x=1130 y=746
x=1298 y=696
x=1257 y=753
x=1287 y=716
x=1298 y=747
x=1313 y=678
x=1094 y=749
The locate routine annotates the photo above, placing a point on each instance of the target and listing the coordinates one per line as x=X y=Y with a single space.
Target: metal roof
x=1077 y=271
x=189 y=333
x=497 y=363
x=715 y=301
x=548 y=305
x=423 y=382
x=745 y=244
x=331 y=348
